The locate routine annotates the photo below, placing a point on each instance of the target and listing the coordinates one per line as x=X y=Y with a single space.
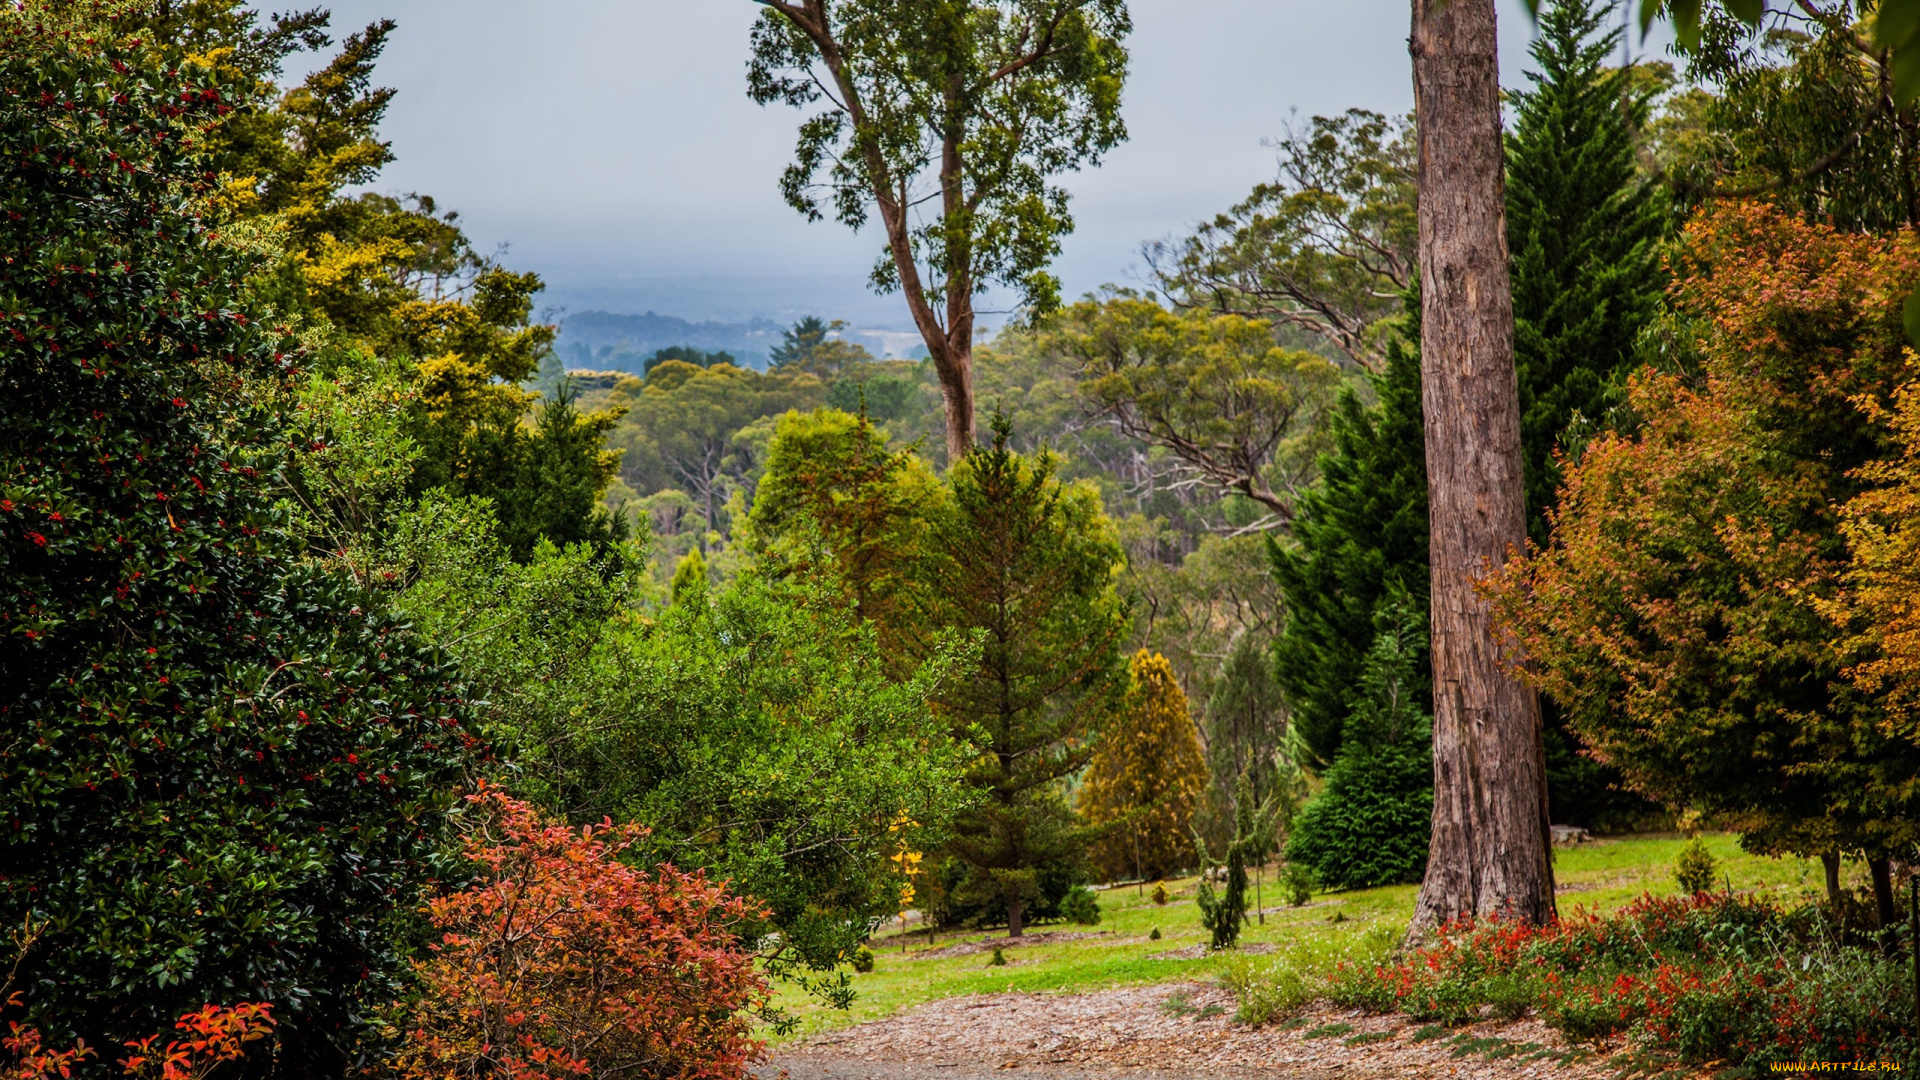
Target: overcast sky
x=611 y=145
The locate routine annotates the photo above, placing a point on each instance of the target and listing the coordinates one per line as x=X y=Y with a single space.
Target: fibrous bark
x=1489 y=851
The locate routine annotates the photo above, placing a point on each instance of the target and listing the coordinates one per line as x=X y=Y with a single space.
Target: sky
x=610 y=145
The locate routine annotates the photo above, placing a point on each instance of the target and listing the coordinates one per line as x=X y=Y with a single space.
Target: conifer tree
x=689 y=584
x=1224 y=911
x=1582 y=227
x=1246 y=717
x=1369 y=825
x=1025 y=564
x=1359 y=539
x=1146 y=778
x=545 y=481
x=1586 y=280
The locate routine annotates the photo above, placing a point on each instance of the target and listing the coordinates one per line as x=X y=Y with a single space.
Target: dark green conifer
x=1025 y=564
x=1583 y=228
x=1586 y=279
x=1359 y=537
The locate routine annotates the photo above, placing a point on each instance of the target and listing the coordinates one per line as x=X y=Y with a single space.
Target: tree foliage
x=1368 y=826
x=1893 y=39
x=1359 y=542
x=1246 y=718
x=689 y=428
x=1213 y=390
x=224 y=767
x=1880 y=598
x=1026 y=564
x=1326 y=248
x=809 y=346
x=951 y=120
x=837 y=504
x=1676 y=615
x=1146 y=778
x=559 y=961
x=1797 y=113
x=754 y=726
x=1583 y=228
x=381 y=282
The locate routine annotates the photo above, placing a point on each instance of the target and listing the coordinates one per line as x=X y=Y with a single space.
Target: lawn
x=1600 y=875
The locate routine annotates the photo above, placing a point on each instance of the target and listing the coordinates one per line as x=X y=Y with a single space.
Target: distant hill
x=606 y=342
x=601 y=341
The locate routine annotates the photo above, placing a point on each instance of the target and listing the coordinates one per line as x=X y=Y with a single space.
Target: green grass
x=1603 y=876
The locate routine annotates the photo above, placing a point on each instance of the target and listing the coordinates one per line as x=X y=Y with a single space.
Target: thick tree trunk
x=1015 y=910
x=1489 y=853
x=1830 y=862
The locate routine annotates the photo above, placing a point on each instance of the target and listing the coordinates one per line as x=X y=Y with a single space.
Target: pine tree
x=1583 y=229
x=545 y=481
x=1146 y=778
x=1027 y=565
x=1246 y=717
x=1359 y=539
x=797 y=342
x=1369 y=825
x=689 y=583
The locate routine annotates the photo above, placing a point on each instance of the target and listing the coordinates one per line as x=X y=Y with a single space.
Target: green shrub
x=1159 y=894
x=1299 y=883
x=1696 y=979
x=225 y=771
x=1694 y=868
x=863 y=960
x=999 y=958
x=1371 y=823
x=1369 y=826
x=1155 y=936
x=1279 y=987
x=1081 y=907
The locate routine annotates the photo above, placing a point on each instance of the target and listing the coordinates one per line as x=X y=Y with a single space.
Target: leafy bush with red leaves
x=1711 y=977
x=559 y=960
x=210 y=1037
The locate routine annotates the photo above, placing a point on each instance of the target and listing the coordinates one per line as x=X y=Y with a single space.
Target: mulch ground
x=1169 y=1032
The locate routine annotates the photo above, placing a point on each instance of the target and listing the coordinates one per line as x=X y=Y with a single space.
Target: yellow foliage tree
x=1881 y=599
x=1146 y=778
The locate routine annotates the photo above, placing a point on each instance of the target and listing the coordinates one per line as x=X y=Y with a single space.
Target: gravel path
x=1162 y=1033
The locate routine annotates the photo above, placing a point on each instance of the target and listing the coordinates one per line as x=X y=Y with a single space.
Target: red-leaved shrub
x=209 y=1037
x=560 y=961
x=1700 y=978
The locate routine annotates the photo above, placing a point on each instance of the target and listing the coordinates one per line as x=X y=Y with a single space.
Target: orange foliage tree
x=558 y=960
x=1684 y=610
x=1881 y=598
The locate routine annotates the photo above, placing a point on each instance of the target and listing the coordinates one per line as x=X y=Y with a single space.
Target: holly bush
x=223 y=770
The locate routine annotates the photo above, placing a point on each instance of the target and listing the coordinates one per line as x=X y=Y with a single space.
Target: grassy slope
x=1603 y=876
